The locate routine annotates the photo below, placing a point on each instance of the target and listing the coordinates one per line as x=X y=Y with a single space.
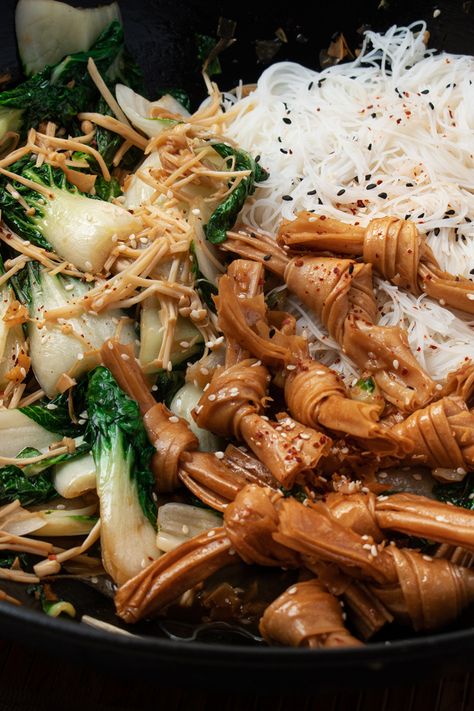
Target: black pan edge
x=276 y=667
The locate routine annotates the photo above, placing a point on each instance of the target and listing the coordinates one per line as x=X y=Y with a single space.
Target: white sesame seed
x=124 y=356
x=60 y=507
x=395 y=364
x=304 y=435
x=374 y=550
x=219 y=455
x=382 y=475
x=69 y=287
x=88 y=265
x=291 y=367
x=196 y=211
x=185 y=529
x=470 y=297
x=184 y=344
x=80 y=356
x=173 y=419
x=292 y=591
x=154 y=388
x=211 y=533
x=427 y=557
x=211 y=397
x=460 y=470
x=417 y=477
x=439 y=386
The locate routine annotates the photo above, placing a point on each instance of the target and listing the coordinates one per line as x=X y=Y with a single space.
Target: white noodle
x=399 y=118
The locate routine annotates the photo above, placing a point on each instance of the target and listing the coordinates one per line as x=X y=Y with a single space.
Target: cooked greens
x=77 y=226
x=16 y=485
x=59 y=92
x=122 y=454
x=225 y=215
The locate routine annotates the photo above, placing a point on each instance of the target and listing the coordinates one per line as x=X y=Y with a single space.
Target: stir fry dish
x=236 y=341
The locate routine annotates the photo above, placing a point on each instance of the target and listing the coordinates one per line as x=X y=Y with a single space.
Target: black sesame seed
x=431 y=105
x=257 y=158
x=369 y=147
x=310 y=85
x=351 y=268
x=320 y=202
x=409 y=185
x=471 y=271
x=407 y=216
x=341 y=192
x=382 y=195
x=371 y=186
x=425 y=91
x=279 y=139
x=286 y=120
x=272 y=332
x=282 y=150
x=374 y=115
x=311 y=192
x=267 y=257
x=286 y=197
x=320 y=83
x=467 y=219
x=449 y=212
x=436 y=231
x=368 y=176
x=422 y=214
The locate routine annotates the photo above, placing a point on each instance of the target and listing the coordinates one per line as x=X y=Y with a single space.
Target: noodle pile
x=390 y=133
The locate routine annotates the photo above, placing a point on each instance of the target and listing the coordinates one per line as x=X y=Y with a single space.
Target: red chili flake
x=52 y=556
x=298 y=263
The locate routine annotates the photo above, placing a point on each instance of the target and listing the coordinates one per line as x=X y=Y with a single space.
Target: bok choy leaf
x=122 y=455
x=59 y=92
x=80 y=228
x=225 y=215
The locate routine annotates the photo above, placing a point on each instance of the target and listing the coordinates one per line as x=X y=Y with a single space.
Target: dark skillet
x=161 y=35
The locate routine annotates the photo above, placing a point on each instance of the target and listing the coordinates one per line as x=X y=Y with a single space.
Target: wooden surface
x=31 y=681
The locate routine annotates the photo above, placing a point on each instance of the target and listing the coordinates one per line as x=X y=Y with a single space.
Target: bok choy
x=122 y=455
x=59 y=92
x=80 y=228
x=225 y=215
x=70 y=345
x=48 y=30
x=12 y=341
x=186 y=339
x=140 y=111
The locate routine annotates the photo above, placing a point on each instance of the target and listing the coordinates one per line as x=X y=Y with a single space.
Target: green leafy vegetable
x=203 y=286
x=77 y=226
x=122 y=455
x=53 y=414
x=224 y=216
x=58 y=93
x=7 y=559
x=169 y=382
x=125 y=71
x=205 y=45
x=460 y=493
x=366 y=384
x=51 y=604
x=14 y=484
x=116 y=430
x=107 y=189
